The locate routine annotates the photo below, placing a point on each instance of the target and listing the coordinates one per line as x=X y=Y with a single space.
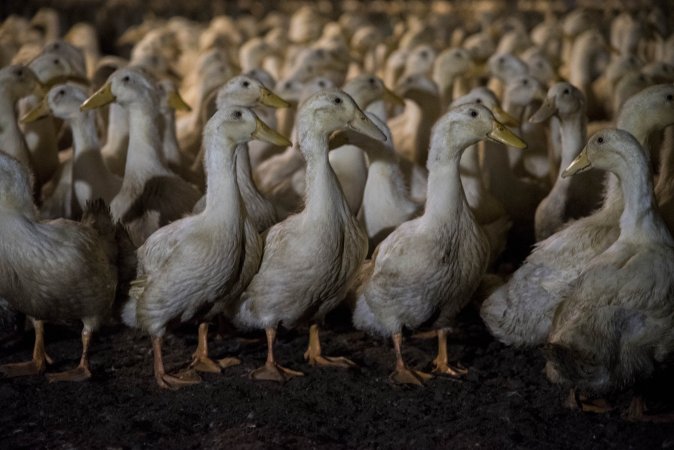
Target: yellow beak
x=38 y=112
x=264 y=133
x=543 y=113
x=268 y=98
x=500 y=133
x=503 y=117
x=100 y=98
x=176 y=102
x=581 y=163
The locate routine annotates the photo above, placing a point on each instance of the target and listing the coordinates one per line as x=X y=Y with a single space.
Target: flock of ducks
x=402 y=192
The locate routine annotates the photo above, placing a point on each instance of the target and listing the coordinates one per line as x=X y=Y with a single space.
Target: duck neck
x=244 y=172
x=118 y=127
x=322 y=192
x=446 y=199
x=11 y=137
x=639 y=219
x=222 y=191
x=145 y=157
x=573 y=136
x=425 y=114
x=85 y=138
x=169 y=138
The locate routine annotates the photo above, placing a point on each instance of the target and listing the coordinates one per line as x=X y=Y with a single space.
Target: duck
x=569 y=198
x=177 y=160
x=16 y=82
x=151 y=195
x=220 y=246
x=56 y=271
x=615 y=321
x=311 y=257
x=412 y=278
x=520 y=312
x=247 y=91
x=451 y=69
x=90 y=178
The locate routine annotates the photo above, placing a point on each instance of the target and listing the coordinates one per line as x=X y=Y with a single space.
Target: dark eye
x=321 y=84
x=525 y=82
x=567 y=91
x=245 y=84
x=61 y=92
x=600 y=140
x=19 y=73
x=126 y=79
x=56 y=61
x=237 y=114
x=288 y=85
x=371 y=80
x=459 y=55
x=501 y=60
x=423 y=54
x=337 y=100
x=669 y=98
x=479 y=100
x=473 y=113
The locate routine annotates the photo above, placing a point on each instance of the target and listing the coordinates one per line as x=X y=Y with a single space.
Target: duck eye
x=338 y=100
x=61 y=92
x=566 y=91
x=237 y=114
x=370 y=80
x=525 y=82
x=126 y=79
x=600 y=140
x=19 y=73
x=287 y=85
x=479 y=100
x=321 y=84
x=56 y=61
x=669 y=97
x=245 y=84
x=473 y=113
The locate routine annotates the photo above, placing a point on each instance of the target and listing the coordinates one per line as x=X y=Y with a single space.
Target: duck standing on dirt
x=430 y=266
x=310 y=258
x=56 y=271
x=188 y=265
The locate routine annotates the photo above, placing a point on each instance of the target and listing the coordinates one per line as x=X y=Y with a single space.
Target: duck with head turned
x=616 y=320
x=310 y=258
x=430 y=266
x=187 y=266
x=57 y=271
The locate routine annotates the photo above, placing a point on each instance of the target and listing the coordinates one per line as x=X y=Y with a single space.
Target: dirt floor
x=505 y=401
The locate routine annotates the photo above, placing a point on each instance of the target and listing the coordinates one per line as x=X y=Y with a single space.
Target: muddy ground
x=505 y=401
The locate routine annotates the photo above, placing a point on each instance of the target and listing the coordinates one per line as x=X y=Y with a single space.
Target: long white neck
x=144 y=157
x=171 y=149
x=11 y=137
x=118 y=129
x=323 y=193
x=223 y=201
x=573 y=130
x=640 y=219
x=446 y=199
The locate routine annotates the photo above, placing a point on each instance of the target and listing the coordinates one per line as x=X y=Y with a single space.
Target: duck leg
x=81 y=372
x=165 y=380
x=37 y=365
x=403 y=374
x=638 y=412
x=271 y=370
x=441 y=361
x=201 y=361
x=313 y=353
x=576 y=400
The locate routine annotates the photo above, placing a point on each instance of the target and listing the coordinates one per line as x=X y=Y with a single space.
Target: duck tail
x=127 y=263
x=97 y=215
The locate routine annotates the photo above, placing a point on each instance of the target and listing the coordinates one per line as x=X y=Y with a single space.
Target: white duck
x=57 y=271
x=433 y=264
x=310 y=259
x=520 y=312
x=569 y=198
x=615 y=322
x=188 y=265
x=151 y=195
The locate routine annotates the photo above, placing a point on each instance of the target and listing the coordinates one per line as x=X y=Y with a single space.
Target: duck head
x=466 y=125
x=239 y=125
x=332 y=109
x=484 y=96
x=562 y=100
x=62 y=101
x=246 y=90
x=609 y=149
x=125 y=86
x=647 y=111
x=367 y=88
x=18 y=81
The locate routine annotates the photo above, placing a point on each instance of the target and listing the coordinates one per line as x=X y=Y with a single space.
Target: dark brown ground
x=505 y=402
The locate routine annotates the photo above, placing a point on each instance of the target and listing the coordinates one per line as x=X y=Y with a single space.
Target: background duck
x=324 y=241
x=151 y=195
